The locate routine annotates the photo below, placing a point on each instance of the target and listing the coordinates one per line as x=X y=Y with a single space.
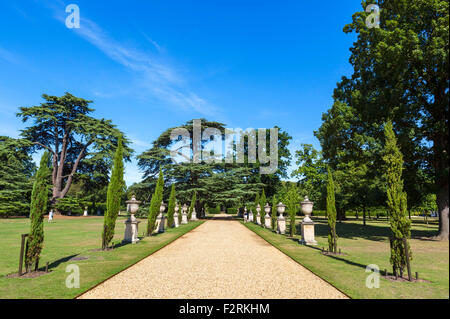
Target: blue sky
x=150 y=65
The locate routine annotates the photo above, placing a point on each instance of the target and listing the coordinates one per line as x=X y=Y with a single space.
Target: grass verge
x=66 y=239
x=367 y=245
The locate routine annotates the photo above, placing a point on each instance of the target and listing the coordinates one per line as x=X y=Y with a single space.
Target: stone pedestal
x=307 y=224
x=184 y=219
x=281 y=225
x=85 y=213
x=175 y=220
x=267 y=222
x=258 y=219
x=160 y=220
x=131 y=230
x=308 y=233
x=250 y=216
x=194 y=214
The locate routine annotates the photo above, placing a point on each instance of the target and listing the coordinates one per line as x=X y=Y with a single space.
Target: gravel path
x=218 y=259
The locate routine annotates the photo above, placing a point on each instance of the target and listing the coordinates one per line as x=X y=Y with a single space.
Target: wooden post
x=46 y=267
x=408 y=265
x=417 y=275
x=22 y=247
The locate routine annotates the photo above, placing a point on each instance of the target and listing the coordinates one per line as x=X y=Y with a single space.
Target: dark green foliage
x=115 y=190
x=192 y=205
x=255 y=203
x=292 y=202
x=400 y=224
x=311 y=173
x=16 y=183
x=401 y=73
x=70 y=204
x=263 y=202
x=39 y=203
x=331 y=214
x=171 y=207
x=155 y=204
x=230 y=184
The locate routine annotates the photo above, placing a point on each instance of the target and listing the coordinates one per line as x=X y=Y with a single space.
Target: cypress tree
x=155 y=203
x=274 y=213
x=263 y=202
x=38 y=207
x=113 y=196
x=396 y=200
x=257 y=200
x=192 y=205
x=292 y=201
x=171 y=207
x=331 y=213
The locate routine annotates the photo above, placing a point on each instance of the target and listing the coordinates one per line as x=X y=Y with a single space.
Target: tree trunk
x=364 y=215
x=442 y=203
x=340 y=214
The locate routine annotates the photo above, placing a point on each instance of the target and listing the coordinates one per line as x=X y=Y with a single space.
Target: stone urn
x=131 y=224
x=267 y=219
x=184 y=219
x=194 y=214
x=307 y=227
x=281 y=221
x=175 y=216
x=250 y=216
x=258 y=214
x=160 y=219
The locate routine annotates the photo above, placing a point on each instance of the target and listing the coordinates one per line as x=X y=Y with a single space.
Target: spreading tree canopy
x=231 y=184
x=401 y=73
x=78 y=143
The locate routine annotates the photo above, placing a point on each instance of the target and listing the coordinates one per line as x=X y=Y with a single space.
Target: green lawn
x=68 y=238
x=369 y=245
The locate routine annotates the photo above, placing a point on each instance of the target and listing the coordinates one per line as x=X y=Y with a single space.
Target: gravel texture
x=219 y=259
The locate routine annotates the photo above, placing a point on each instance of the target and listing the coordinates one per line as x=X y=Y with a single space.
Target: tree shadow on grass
x=56 y=263
x=375 y=231
x=349 y=262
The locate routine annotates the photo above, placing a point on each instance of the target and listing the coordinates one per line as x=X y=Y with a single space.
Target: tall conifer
x=39 y=203
x=331 y=213
x=155 y=203
x=171 y=207
x=396 y=200
x=113 y=197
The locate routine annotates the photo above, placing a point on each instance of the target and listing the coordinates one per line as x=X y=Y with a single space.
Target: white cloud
x=157 y=77
x=8 y=56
